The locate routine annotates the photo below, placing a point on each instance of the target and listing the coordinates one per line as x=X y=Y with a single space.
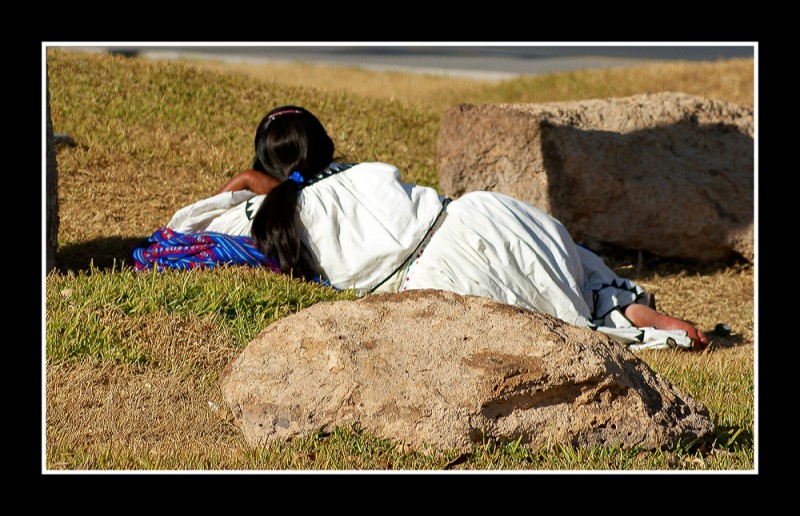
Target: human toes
x=699 y=341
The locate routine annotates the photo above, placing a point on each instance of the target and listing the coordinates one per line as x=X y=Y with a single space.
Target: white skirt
x=495 y=246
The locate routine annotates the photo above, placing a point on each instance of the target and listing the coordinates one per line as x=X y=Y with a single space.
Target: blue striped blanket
x=169 y=249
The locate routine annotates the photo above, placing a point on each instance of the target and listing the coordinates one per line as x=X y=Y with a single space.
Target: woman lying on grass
x=358 y=226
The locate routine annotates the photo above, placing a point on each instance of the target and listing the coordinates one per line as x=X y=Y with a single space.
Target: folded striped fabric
x=169 y=249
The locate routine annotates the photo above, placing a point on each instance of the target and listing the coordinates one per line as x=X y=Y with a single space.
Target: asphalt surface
x=482 y=61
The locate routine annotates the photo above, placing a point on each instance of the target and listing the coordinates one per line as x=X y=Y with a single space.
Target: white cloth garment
x=228 y=212
x=364 y=228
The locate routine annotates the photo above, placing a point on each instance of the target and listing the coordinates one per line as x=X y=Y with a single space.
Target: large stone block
x=667 y=173
x=432 y=367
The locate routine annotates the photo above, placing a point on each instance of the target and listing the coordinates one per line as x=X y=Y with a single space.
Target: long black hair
x=288 y=139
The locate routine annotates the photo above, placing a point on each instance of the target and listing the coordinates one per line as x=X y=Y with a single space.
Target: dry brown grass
x=730 y=81
x=400 y=86
x=145 y=414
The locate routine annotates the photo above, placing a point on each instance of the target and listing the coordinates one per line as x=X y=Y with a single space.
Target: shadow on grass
x=732 y=437
x=636 y=265
x=103 y=254
x=718 y=340
x=643 y=265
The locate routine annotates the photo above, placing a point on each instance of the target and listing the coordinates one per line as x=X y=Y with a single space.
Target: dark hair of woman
x=288 y=139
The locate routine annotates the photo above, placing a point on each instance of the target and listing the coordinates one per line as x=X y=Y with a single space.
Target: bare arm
x=253 y=180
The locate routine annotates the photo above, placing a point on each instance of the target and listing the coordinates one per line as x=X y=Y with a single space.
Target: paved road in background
x=489 y=61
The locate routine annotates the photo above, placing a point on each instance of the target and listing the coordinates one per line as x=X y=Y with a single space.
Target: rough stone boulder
x=667 y=173
x=432 y=367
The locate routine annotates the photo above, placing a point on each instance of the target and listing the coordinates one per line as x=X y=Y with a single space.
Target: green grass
x=89 y=314
x=133 y=359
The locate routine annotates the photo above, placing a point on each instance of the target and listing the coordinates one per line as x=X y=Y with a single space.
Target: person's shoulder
x=370 y=172
x=376 y=166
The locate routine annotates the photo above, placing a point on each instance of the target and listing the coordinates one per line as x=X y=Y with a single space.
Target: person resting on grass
x=359 y=226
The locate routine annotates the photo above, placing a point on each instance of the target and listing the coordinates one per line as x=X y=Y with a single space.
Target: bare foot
x=642 y=316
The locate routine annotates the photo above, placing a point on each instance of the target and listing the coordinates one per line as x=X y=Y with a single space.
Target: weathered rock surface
x=667 y=173
x=449 y=370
